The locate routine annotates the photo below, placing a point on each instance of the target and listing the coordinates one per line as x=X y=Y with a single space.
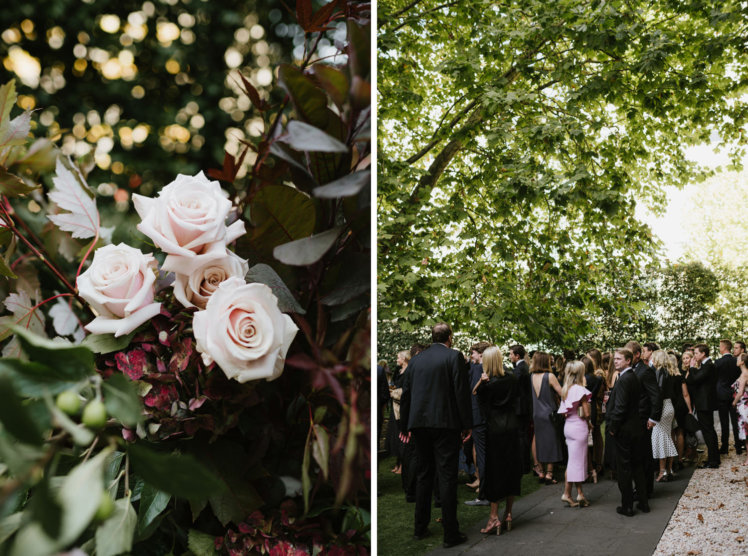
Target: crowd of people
x=633 y=412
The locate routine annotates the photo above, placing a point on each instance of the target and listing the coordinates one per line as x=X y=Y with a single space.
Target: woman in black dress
x=499 y=398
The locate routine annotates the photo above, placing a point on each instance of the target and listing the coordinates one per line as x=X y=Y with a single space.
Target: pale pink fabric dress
x=575 y=431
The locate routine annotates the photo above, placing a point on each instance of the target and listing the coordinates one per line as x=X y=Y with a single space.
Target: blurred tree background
x=142 y=91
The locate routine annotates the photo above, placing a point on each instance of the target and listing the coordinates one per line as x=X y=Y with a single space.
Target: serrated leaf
x=307 y=138
x=5 y=270
x=21 y=306
x=201 y=544
x=64 y=320
x=346 y=186
x=265 y=274
x=70 y=194
x=15 y=131
x=308 y=250
x=115 y=535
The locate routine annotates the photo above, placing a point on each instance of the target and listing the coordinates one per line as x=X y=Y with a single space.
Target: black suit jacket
x=476 y=371
x=650 y=398
x=436 y=391
x=622 y=410
x=702 y=386
x=727 y=373
x=524 y=385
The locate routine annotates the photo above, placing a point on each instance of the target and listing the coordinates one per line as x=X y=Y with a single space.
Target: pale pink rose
x=196 y=278
x=243 y=331
x=119 y=287
x=188 y=214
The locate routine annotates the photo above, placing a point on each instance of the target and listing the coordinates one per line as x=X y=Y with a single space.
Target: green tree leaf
x=152 y=503
x=14 y=415
x=201 y=544
x=69 y=362
x=115 y=535
x=122 y=401
x=180 y=475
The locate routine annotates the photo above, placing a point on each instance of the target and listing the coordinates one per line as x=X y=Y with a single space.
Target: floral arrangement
x=201 y=385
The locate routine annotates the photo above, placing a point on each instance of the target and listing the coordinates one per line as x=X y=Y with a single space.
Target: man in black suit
x=435 y=407
x=622 y=423
x=522 y=372
x=647 y=350
x=702 y=386
x=650 y=412
x=727 y=373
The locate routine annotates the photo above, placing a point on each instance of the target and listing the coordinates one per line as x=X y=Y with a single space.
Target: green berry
x=105 y=509
x=94 y=415
x=69 y=402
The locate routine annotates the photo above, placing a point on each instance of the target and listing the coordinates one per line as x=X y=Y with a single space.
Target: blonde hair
x=688 y=351
x=493 y=361
x=573 y=374
x=672 y=365
x=659 y=359
x=405 y=354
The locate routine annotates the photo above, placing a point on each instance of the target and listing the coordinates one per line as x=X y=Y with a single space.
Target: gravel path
x=712 y=515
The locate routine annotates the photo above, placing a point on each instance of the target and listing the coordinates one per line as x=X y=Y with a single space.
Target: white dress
x=662 y=442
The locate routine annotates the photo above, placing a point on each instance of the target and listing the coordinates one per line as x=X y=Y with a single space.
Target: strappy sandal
x=662 y=477
x=549 y=480
x=583 y=502
x=538 y=470
x=507 y=522
x=491 y=526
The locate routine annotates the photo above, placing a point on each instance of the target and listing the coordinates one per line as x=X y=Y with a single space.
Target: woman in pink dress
x=575 y=405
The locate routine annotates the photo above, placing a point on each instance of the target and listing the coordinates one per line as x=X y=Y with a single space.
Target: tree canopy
x=517 y=137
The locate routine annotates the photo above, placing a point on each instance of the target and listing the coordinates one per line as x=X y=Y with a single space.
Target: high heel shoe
x=594 y=476
x=662 y=477
x=493 y=523
x=507 y=522
x=569 y=501
x=583 y=502
x=538 y=470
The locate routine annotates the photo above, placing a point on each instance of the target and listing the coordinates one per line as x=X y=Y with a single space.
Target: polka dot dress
x=662 y=443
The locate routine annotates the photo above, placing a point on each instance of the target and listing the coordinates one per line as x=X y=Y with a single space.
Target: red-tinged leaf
x=322 y=17
x=181 y=358
x=196 y=403
x=133 y=363
x=253 y=95
x=161 y=396
x=302 y=361
x=304 y=13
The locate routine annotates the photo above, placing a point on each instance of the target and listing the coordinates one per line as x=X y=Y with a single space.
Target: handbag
x=691 y=424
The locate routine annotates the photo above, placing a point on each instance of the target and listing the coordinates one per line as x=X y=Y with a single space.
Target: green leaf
x=15 y=131
x=359 y=49
x=9 y=525
x=17 y=456
x=8 y=98
x=12 y=185
x=201 y=544
x=115 y=535
x=310 y=101
x=45 y=509
x=346 y=186
x=14 y=415
x=152 y=503
x=264 y=274
x=33 y=379
x=69 y=362
x=5 y=269
x=122 y=401
x=333 y=81
x=279 y=214
x=180 y=475
x=80 y=495
x=321 y=449
x=306 y=482
x=307 y=138
x=106 y=343
x=308 y=250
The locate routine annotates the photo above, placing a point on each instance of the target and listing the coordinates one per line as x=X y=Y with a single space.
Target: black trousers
x=728 y=414
x=437 y=456
x=409 y=470
x=629 y=466
x=644 y=453
x=706 y=421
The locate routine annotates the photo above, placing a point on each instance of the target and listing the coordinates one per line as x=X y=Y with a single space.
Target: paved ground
x=544 y=525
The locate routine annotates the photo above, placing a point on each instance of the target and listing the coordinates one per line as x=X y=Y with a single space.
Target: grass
x=395 y=516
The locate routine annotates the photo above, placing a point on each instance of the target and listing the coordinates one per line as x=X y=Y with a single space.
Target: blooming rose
x=119 y=287
x=243 y=331
x=188 y=214
x=198 y=277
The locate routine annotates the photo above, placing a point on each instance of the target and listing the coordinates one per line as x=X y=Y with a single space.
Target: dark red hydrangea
x=133 y=363
x=161 y=396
